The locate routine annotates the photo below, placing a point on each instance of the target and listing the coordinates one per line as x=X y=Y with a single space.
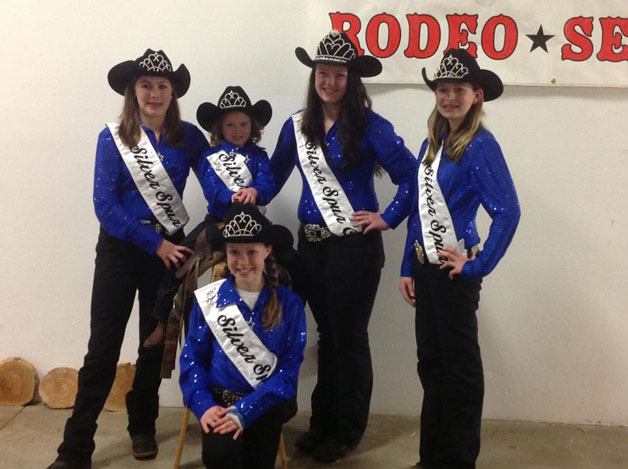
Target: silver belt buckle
x=158 y=227
x=315 y=233
x=420 y=255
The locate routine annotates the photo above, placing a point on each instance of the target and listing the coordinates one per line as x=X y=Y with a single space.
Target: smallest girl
x=234 y=169
x=241 y=358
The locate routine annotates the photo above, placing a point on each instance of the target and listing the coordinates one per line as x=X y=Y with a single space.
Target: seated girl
x=245 y=342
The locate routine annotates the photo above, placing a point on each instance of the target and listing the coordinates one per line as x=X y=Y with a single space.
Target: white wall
x=552 y=323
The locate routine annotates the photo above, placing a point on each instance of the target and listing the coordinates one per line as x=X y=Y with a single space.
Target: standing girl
x=461 y=166
x=241 y=358
x=338 y=143
x=141 y=168
x=235 y=169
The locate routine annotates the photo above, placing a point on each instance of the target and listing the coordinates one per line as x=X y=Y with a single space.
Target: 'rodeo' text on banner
x=563 y=42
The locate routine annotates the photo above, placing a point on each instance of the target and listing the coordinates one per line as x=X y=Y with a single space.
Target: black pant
x=121 y=270
x=449 y=366
x=342 y=278
x=255 y=448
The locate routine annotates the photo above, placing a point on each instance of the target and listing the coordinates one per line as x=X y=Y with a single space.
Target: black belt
x=315 y=233
x=155 y=225
x=422 y=257
x=225 y=397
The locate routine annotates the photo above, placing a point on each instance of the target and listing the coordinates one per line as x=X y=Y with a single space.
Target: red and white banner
x=558 y=42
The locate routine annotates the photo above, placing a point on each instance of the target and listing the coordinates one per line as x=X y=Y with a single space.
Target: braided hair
x=272 y=311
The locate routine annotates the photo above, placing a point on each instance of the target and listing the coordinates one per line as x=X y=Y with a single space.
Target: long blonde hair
x=456 y=142
x=129 y=130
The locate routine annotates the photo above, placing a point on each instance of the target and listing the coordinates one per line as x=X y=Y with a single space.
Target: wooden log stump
x=18 y=381
x=116 y=401
x=58 y=388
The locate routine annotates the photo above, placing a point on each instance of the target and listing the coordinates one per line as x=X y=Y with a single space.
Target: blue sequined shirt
x=216 y=192
x=118 y=204
x=379 y=144
x=480 y=177
x=204 y=363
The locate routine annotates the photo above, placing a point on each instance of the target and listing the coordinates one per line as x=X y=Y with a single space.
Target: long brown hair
x=129 y=130
x=456 y=142
x=272 y=311
x=351 y=119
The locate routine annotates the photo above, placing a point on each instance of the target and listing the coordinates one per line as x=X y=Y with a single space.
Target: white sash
x=245 y=350
x=327 y=191
x=231 y=169
x=153 y=181
x=436 y=223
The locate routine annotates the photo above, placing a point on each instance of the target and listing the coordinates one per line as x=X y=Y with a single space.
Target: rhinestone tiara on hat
x=451 y=67
x=232 y=99
x=241 y=226
x=156 y=62
x=335 y=48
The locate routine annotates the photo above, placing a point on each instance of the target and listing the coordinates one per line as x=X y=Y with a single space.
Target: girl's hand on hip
x=369 y=221
x=452 y=258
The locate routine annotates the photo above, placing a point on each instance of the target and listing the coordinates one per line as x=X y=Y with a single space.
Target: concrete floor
x=29 y=437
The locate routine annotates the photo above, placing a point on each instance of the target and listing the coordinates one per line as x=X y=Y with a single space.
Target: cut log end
x=58 y=388
x=116 y=401
x=18 y=382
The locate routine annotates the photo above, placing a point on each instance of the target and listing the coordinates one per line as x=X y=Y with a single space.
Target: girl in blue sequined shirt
x=339 y=270
x=235 y=125
x=460 y=167
x=134 y=247
x=242 y=423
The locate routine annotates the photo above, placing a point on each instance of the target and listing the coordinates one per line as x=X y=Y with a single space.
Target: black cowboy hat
x=233 y=99
x=244 y=223
x=458 y=65
x=337 y=49
x=150 y=63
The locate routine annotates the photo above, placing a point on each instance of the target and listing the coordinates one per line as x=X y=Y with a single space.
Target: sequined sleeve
x=413 y=226
x=107 y=202
x=284 y=157
x=282 y=385
x=398 y=162
x=195 y=363
x=197 y=146
x=496 y=192
x=217 y=194
x=263 y=179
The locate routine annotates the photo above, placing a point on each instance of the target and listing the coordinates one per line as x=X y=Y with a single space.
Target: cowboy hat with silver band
x=233 y=98
x=151 y=63
x=457 y=65
x=245 y=224
x=337 y=49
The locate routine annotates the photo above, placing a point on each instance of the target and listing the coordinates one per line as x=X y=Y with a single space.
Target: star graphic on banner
x=539 y=39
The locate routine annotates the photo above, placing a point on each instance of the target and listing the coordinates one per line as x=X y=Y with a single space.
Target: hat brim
x=208 y=113
x=490 y=83
x=277 y=236
x=364 y=65
x=121 y=75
